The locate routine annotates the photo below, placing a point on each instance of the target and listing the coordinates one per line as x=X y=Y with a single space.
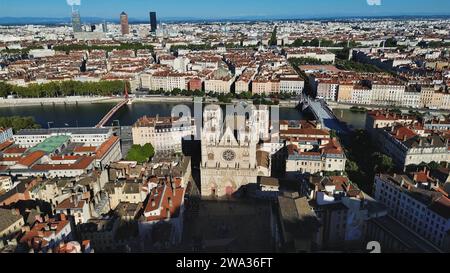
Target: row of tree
x=358 y=67
x=306 y=61
x=122 y=46
x=243 y=95
x=323 y=43
x=64 y=88
x=199 y=47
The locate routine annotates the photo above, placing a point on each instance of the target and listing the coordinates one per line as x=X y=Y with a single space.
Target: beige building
x=10 y=222
x=125 y=191
x=328 y=90
x=303 y=158
x=164 y=133
x=220 y=81
x=426 y=96
x=5 y=184
x=387 y=93
x=291 y=85
x=345 y=93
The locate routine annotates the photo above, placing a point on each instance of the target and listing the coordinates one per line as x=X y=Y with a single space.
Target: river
x=88 y=115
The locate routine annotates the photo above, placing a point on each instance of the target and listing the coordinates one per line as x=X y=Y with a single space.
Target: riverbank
x=348 y=106
x=18 y=102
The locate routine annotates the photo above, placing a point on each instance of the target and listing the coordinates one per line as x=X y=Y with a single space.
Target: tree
x=333 y=134
x=351 y=166
x=391 y=42
x=18 y=123
x=273 y=39
x=383 y=163
x=141 y=154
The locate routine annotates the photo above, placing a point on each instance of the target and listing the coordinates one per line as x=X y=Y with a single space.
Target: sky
x=214 y=9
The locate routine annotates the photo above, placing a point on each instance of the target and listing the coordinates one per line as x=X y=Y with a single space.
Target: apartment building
x=345 y=93
x=10 y=222
x=75 y=206
x=312 y=156
x=407 y=147
x=164 y=133
x=165 y=203
x=381 y=119
x=343 y=210
x=291 y=84
x=329 y=90
x=28 y=138
x=387 y=93
x=313 y=52
x=46 y=235
x=125 y=191
x=419 y=203
x=165 y=80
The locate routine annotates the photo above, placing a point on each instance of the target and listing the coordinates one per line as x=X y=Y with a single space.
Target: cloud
x=73 y=2
x=374 y=2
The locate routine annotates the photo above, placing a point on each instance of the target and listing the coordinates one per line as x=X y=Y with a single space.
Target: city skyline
x=226 y=9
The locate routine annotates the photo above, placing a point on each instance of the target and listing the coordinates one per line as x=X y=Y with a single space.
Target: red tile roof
x=106 y=146
x=159 y=199
x=5 y=145
x=14 y=150
x=82 y=164
x=35 y=238
x=85 y=149
x=69 y=203
x=30 y=159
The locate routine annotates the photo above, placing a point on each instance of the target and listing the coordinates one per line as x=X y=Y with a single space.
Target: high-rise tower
x=153 y=22
x=124 y=23
x=76 y=20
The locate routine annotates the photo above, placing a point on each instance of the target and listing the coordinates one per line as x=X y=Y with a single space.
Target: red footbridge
x=114 y=110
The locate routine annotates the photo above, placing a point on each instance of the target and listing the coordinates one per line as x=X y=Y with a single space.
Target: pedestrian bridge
x=111 y=113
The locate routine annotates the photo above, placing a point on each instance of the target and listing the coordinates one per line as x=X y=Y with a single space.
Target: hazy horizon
x=221 y=9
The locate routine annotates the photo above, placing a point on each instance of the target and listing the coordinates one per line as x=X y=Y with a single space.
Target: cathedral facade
x=229 y=155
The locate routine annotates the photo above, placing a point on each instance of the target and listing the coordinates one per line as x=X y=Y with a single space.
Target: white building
x=28 y=138
x=5 y=134
x=164 y=133
x=420 y=206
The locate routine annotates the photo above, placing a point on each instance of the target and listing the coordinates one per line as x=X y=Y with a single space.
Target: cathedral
x=230 y=156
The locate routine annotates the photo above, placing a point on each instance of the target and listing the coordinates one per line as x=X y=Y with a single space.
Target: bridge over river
x=323 y=114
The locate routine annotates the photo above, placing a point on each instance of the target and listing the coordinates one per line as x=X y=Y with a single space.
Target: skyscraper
x=124 y=23
x=105 y=26
x=76 y=20
x=153 y=23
